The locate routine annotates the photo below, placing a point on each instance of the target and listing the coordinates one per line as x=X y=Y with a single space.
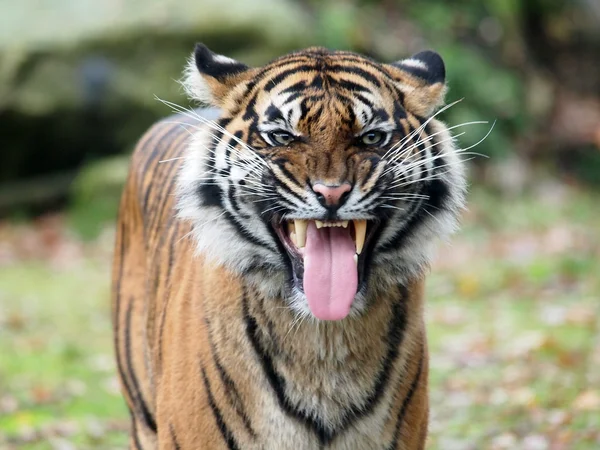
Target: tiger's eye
x=372 y=137
x=281 y=137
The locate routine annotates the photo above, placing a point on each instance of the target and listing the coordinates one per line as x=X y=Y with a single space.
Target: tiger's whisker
x=171 y=159
x=431 y=136
x=422 y=127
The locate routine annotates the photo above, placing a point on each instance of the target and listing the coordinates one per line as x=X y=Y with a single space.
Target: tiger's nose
x=331 y=195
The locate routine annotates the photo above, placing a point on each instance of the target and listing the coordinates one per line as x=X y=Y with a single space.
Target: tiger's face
x=325 y=177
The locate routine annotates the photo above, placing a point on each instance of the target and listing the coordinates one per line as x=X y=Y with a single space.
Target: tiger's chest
x=267 y=381
x=280 y=400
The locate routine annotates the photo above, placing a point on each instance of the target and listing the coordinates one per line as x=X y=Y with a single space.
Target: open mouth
x=328 y=260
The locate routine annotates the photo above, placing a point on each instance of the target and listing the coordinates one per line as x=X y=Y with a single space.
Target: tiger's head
x=325 y=176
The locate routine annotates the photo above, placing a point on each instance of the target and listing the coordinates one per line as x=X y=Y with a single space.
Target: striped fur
x=216 y=347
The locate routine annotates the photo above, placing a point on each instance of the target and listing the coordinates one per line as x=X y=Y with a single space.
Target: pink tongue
x=330 y=273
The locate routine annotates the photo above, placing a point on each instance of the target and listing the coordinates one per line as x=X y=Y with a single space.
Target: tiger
x=271 y=250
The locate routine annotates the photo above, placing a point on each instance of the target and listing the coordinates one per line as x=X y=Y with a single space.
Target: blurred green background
x=513 y=302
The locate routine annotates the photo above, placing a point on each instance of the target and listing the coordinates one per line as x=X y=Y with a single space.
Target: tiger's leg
x=129 y=321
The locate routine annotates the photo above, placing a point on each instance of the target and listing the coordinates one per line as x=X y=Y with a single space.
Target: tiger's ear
x=209 y=77
x=422 y=79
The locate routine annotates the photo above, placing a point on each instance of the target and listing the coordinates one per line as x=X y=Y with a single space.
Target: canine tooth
x=291 y=226
x=300 y=225
x=319 y=224
x=360 y=229
x=293 y=238
x=345 y=223
x=356 y=259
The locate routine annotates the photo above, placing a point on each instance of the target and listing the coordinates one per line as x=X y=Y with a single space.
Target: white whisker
x=211 y=124
x=394 y=155
x=419 y=129
x=171 y=159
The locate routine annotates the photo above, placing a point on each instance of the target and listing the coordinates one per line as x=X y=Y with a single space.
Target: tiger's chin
x=329 y=262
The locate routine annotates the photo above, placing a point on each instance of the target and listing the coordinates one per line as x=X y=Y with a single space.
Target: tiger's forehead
x=319 y=88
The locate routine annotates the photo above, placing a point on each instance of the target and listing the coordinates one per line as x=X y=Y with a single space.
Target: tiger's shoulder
x=158 y=156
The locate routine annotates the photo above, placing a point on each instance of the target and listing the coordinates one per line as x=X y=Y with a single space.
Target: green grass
x=514 y=327
x=57 y=374
x=513 y=322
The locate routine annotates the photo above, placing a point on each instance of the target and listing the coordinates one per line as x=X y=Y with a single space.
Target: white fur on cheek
x=216 y=238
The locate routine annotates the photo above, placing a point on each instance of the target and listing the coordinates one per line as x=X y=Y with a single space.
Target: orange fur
x=209 y=360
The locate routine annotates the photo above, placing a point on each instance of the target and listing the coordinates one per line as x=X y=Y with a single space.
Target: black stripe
x=291 y=98
x=133 y=387
x=364 y=203
x=357 y=71
x=250 y=112
x=117 y=286
x=134 y=435
x=209 y=192
x=374 y=160
x=243 y=232
x=364 y=100
x=276 y=65
x=406 y=402
x=303 y=107
x=174 y=238
x=348 y=85
x=360 y=59
x=273 y=113
x=260 y=264
x=174 y=437
x=231 y=391
x=225 y=431
x=283 y=186
x=289 y=177
x=435 y=149
x=231 y=195
x=394 y=339
x=299 y=86
x=381 y=114
x=135 y=392
x=399 y=111
x=233 y=143
x=325 y=435
x=317 y=82
x=117 y=318
x=273 y=82
x=276 y=381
